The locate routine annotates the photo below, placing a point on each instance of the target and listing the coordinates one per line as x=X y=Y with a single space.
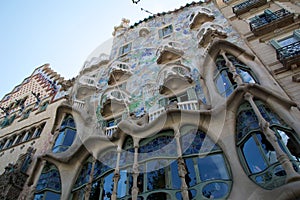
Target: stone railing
x=88 y=81
x=153 y=115
x=78 y=105
x=109 y=131
x=188 y=105
x=247 y=5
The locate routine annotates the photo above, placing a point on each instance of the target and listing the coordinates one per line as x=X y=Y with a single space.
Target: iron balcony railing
x=247 y=5
x=270 y=21
x=289 y=54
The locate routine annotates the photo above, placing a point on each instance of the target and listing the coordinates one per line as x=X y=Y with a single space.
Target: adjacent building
x=201 y=102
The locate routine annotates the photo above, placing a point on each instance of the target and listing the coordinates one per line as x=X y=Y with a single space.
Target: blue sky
x=61 y=32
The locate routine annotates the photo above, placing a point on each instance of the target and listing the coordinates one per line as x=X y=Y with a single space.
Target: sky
x=62 y=33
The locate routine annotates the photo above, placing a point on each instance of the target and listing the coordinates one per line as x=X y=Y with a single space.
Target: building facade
x=201 y=102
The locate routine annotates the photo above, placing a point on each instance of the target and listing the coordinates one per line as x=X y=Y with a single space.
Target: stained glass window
x=205 y=165
x=256 y=152
x=224 y=79
x=49 y=184
x=66 y=136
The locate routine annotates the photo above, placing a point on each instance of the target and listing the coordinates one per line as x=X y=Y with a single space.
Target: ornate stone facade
x=185 y=106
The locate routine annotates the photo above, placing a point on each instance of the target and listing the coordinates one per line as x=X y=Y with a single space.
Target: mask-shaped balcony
x=113 y=102
x=86 y=86
x=173 y=78
x=119 y=71
x=94 y=63
x=247 y=5
x=208 y=32
x=168 y=52
x=200 y=17
x=270 y=21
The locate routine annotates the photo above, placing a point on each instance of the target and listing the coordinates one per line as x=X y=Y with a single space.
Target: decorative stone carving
x=119 y=71
x=144 y=32
x=208 y=32
x=14 y=177
x=169 y=51
x=114 y=101
x=174 y=77
x=119 y=30
x=200 y=17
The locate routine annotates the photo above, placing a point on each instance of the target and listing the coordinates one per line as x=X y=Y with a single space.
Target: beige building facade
x=201 y=102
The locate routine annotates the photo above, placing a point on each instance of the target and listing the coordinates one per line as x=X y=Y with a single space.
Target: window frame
x=276 y=42
x=271 y=167
x=166 y=31
x=123 y=49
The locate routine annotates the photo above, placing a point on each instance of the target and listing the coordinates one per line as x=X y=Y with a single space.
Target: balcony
x=86 y=86
x=88 y=81
x=208 y=32
x=119 y=72
x=109 y=131
x=94 y=63
x=199 y=18
x=186 y=105
x=78 y=105
x=289 y=55
x=114 y=101
x=247 y=5
x=270 y=21
x=168 y=52
x=174 y=78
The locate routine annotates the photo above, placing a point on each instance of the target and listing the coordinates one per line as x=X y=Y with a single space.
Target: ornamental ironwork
x=269 y=21
x=247 y=5
x=289 y=54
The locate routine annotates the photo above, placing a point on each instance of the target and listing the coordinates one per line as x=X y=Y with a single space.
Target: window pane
x=225 y=83
x=108 y=186
x=190 y=178
x=289 y=142
x=52 y=196
x=246 y=76
x=268 y=149
x=59 y=139
x=215 y=190
x=287 y=41
x=253 y=156
x=157 y=196
x=155 y=175
x=176 y=182
x=212 y=167
x=69 y=138
x=95 y=191
x=122 y=184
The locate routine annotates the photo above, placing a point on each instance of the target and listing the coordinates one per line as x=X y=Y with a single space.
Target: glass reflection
x=176 y=182
x=212 y=167
x=253 y=156
x=215 y=190
x=108 y=187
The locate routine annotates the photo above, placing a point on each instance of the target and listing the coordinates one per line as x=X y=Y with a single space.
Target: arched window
x=82 y=180
x=207 y=170
x=49 y=184
x=125 y=182
x=224 y=77
x=66 y=136
x=256 y=153
x=157 y=157
x=102 y=178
